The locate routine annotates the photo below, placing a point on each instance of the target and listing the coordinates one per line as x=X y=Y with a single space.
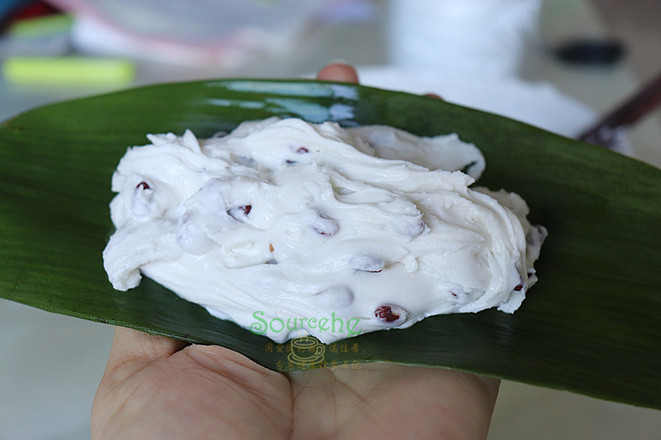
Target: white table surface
x=50 y=365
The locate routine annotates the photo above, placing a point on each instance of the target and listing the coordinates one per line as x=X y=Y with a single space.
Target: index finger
x=338 y=72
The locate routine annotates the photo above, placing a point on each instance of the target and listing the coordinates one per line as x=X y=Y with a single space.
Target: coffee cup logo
x=306 y=351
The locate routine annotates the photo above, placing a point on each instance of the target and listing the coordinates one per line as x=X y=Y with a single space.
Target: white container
x=466 y=37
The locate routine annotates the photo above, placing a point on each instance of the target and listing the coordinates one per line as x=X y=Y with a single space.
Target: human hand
x=158 y=388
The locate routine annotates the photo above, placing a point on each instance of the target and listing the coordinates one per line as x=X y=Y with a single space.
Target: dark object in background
x=594 y=52
x=11 y=10
x=605 y=132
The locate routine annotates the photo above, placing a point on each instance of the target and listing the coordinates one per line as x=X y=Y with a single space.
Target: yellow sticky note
x=68 y=70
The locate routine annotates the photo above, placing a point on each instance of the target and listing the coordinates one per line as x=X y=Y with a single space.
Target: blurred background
x=558 y=64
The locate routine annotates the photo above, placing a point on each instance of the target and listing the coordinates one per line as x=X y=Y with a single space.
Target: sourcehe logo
x=331 y=324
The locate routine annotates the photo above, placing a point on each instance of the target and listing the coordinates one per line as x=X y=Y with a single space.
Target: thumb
x=132 y=346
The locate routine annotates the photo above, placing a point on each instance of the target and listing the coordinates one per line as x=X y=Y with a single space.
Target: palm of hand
x=156 y=388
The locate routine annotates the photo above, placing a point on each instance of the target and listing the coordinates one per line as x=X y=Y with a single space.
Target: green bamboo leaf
x=591 y=325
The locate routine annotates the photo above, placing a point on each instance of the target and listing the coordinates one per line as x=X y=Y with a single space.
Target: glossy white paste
x=289 y=228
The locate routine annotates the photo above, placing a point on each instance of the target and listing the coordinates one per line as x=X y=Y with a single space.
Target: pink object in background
x=194 y=32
